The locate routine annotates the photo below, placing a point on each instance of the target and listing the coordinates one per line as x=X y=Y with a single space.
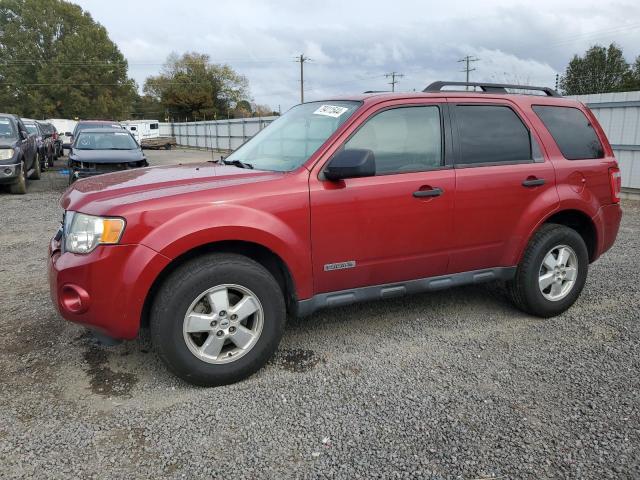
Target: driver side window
x=403 y=139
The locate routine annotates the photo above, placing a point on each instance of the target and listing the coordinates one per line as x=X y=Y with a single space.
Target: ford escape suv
x=340 y=201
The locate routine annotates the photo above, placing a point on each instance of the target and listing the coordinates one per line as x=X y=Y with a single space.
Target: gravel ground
x=456 y=384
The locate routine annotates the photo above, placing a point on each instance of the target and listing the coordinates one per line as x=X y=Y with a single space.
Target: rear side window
x=153 y=126
x=491 y=134
x=572 y=131
x=406 y=139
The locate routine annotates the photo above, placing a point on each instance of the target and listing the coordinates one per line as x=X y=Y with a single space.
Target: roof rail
x=376 y=91
x=490 y=87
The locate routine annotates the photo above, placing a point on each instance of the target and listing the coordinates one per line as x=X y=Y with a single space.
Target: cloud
x=353 y=44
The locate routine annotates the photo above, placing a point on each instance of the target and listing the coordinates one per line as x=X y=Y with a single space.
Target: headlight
x=6 y=153
x=83 y=233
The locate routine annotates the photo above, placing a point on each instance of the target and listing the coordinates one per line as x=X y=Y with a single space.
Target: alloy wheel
x=223 y=323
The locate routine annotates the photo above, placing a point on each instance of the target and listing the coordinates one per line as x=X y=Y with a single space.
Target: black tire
x=524 y=289
x=42 y=160
x=37 y=170
x=167 y=146
x=20 y=187
x=184 y=285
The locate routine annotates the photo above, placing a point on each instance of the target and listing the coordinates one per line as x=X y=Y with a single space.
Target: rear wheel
x=218 y=319
x=552 y=272
x=20 y=187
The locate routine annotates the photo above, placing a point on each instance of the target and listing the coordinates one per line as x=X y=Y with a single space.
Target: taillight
x=615 y=180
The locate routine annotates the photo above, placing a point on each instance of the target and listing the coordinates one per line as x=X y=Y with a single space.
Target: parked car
x=365 y=198
x=42 y=147
x=65 y=131
x=103 y=150
x=52 y=146
x=18 y=156
x=84 y=124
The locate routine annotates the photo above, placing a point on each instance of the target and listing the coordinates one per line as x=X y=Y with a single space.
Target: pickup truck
x=18 y=154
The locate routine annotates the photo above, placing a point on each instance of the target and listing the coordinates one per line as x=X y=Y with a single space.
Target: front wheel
x=20 y=186
x=552 y=272
x=218 y=319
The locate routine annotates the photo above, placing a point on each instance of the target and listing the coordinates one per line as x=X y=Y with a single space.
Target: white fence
x=217 y=135
x=619 y=115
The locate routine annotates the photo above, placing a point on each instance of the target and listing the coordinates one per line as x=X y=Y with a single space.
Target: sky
x=353 y=44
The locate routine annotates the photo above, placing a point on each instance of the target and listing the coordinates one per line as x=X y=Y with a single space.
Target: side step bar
x=391 y=290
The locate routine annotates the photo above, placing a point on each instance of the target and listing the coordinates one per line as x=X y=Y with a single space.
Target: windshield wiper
x=237 y=163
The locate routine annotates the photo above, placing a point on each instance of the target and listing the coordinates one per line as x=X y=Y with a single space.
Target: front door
x=393 y=226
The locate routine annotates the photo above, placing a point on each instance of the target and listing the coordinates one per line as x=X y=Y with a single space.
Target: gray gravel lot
x=456 y=384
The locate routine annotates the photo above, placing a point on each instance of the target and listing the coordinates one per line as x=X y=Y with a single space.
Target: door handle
x=432 y=192
x=533 y=182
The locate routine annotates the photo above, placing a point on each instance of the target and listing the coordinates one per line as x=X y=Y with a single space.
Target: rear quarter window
x=572 y=131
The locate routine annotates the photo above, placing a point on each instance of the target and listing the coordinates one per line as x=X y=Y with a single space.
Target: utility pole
x=393 y=81
x=467 y=60
x=301 y=59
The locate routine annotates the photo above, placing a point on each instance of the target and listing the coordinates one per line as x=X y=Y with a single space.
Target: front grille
x=108 y=167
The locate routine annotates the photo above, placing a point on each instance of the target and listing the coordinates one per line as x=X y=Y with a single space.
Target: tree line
x=57 y=61
x=600 y=70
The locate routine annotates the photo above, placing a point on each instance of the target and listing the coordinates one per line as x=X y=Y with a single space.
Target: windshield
x=289 y=141
x=7 y=130
x=105 y=141
x=31 y=127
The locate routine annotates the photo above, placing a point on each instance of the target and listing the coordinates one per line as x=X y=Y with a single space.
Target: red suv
x=361 y=198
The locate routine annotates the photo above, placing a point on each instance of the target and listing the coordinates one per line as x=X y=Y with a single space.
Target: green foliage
x=192 y=88
x=600 y=70
x=56 y=61
x=147 y=107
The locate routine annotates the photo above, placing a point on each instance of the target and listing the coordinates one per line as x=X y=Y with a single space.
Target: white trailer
x=142 y=129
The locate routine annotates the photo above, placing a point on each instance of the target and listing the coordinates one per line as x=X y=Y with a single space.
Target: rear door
x=504 y=183
x=393 y=226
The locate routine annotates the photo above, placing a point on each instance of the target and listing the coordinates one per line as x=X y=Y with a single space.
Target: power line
x=393 y=81
x=301 y=59
x=467 y=59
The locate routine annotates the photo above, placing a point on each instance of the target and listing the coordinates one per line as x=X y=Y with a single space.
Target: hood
x=107 y=156
x=99 y=195
x=7 y=142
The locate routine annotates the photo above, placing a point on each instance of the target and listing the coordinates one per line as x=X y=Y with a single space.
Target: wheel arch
x=255 y=251
x=581 y=223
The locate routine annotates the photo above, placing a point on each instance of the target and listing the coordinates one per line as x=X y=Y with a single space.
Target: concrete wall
x=619 y=115
x=217 y=135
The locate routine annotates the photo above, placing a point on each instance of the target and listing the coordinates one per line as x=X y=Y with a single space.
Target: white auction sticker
x=330 y=110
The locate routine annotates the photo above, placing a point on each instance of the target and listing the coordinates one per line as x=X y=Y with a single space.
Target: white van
x=65 y=129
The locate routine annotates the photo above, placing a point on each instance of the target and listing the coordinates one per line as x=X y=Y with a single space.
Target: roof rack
x=490 y=87
x=376 y=91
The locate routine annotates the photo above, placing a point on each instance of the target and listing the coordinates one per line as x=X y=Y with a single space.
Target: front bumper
x=10 y=172
x=78 y=172
x=104 y=290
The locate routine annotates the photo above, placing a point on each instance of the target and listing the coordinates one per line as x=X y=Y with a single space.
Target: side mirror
x=24 y=134
x=352 y=163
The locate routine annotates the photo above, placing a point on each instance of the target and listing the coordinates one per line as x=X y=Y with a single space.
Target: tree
x=601 y=70
x=190 y=87
x=56 y=61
